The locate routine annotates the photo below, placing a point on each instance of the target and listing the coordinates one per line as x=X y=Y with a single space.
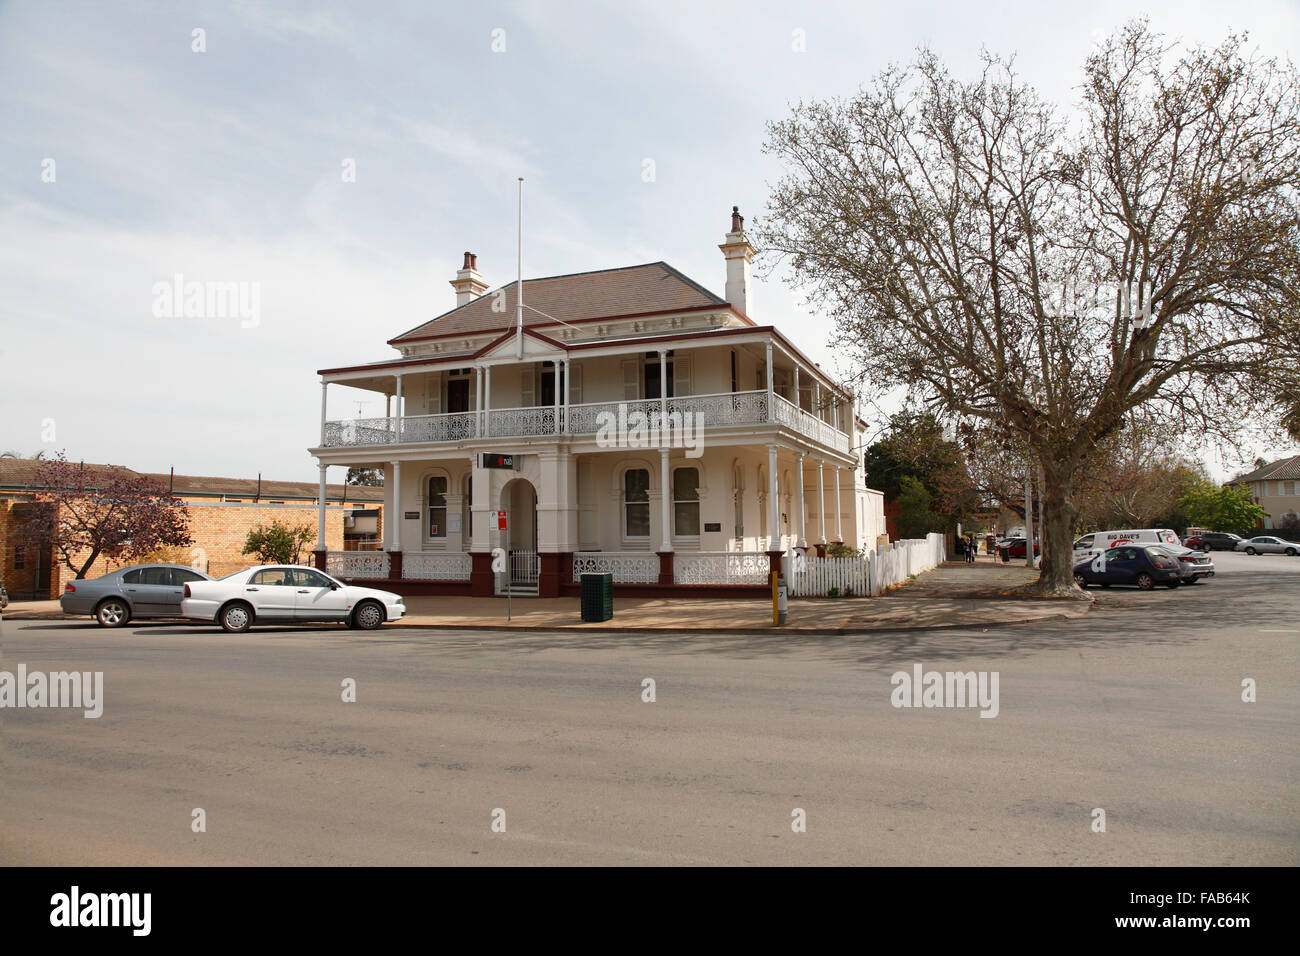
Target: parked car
x=139 y=591
x=274 y=593
x=1016 y=547
x=4 y=597
x=1090 y=545
x=1192 y=565
x=1143 y=567
x=1266 y=544
x=1212 y=541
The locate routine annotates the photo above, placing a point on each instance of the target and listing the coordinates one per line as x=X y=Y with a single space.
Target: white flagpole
x=519 y=285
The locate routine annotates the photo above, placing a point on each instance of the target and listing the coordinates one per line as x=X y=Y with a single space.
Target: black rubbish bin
x=597 y=597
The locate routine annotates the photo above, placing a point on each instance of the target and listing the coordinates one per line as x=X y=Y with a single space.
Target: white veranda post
x=320 y=512
x=801 y=537
x=839 y=515
x=665 y=503
x=774 y=533
x=397 y=506
x=821 y=505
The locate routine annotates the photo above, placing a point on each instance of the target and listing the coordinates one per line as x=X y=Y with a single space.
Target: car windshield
x=1158 y=552
x=232 y=574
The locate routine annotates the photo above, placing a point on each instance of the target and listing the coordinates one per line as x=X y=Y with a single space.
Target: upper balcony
x=715 y=411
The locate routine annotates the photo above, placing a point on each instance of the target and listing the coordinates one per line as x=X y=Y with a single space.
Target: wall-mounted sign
x=713 y=526
x=501 y=521
x=493 y=460
x=411 y=515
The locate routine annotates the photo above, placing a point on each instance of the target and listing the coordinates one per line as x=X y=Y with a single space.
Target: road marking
x=1279 y=632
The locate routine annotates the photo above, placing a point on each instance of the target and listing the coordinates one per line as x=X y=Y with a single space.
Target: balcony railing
x=712 y=411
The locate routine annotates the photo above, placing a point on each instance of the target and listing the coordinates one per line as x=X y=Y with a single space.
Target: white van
x=1091 y=544
x=1195 y=567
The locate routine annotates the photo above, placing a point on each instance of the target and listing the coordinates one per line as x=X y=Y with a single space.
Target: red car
x=1015 y=548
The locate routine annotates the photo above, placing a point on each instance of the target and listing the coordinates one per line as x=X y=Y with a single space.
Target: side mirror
x=334 y=586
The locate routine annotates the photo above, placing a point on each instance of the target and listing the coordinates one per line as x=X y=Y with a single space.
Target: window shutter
x=575 y=384
x=631 y=379
x=527 y=387
x=760 y=378
x=682 y=375
x=434 y=386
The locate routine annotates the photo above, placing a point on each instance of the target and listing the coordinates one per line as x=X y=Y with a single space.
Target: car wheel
x=1192 y=581
x=112 y=612
x=236 y=618
x=1145 y=581
x=1080 y=580
x=368 y=615
x=1291 y=552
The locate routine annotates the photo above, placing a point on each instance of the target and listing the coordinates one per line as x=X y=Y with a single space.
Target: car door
x=148 y=590
x=271 y=592
x=1122 y=565
x=316 y=598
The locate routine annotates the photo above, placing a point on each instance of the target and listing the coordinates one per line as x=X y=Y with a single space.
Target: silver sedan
x=145 y=590
x=1266 y=544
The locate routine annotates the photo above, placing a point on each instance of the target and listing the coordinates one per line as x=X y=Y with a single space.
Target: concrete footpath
x=950 y=596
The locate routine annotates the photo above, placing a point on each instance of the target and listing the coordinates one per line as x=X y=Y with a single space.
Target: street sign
x=501 y=521
x=494 y=460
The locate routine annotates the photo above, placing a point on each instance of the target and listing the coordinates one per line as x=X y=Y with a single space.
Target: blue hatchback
x=1136 y=566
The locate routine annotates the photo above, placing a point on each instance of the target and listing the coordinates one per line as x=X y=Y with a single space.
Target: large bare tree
x=1041 y=273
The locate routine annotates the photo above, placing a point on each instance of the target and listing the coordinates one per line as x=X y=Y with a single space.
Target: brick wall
x=218 y=529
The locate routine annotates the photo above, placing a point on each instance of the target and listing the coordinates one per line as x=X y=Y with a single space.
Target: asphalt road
x=1135 y=709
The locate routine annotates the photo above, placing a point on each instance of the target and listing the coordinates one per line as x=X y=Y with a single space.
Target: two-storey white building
x=653 y=430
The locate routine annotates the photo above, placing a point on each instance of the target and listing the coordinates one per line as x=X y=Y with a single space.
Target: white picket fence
x=870 y=575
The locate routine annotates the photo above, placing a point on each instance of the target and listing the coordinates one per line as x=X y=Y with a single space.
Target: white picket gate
x=867 y=575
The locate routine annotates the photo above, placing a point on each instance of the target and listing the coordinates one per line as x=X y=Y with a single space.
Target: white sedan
x=1267 y=544
x=287 y=594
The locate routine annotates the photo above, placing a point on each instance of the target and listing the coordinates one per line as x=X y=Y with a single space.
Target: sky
x=337 y=158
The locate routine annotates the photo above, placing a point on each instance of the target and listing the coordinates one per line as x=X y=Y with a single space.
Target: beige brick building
x=222 y=512
x=1275 y=486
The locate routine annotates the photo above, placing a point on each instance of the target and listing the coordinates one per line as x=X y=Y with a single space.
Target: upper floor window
x=458 y=391
x=636 y=503
x=686 y=502
x=652 y=375
x=548 y=384
x=438 y=506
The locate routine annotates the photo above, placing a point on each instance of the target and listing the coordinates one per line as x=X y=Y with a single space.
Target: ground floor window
x=686 y=502
x=636 y=503
x=438 y=507
x=467 y=512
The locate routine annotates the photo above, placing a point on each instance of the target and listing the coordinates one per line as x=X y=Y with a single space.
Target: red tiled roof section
x=1284 y=469
x=632 y=290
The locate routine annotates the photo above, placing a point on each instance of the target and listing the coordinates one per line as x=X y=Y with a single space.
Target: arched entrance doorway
x=519 y=501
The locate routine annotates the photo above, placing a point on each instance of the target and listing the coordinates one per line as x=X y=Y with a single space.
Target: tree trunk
x=1056 y=573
